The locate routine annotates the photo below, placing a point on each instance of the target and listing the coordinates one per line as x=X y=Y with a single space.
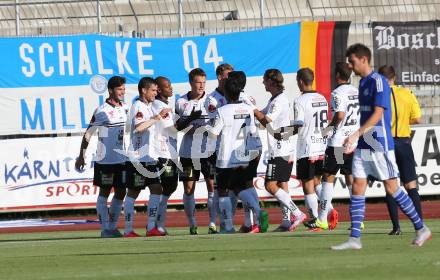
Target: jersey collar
x=109 y=103
x=189 y=95
x=342 y=84
x=275 y=96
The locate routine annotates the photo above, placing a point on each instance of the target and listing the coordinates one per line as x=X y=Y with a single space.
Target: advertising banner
x=412 y=48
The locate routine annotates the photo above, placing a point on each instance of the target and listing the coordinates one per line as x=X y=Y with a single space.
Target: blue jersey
x=374 y=90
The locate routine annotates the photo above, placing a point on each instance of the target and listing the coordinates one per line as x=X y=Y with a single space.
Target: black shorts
x=279 y=169
x=231 y=178
x=136 y=180
x=252 y=168
x=308 y=169
x=331 y=164
x=109 y=175
x=405 y=160
x=189 y=173
x=169 y=175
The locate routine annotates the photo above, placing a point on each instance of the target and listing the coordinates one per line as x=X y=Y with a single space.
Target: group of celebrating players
x=137 y=148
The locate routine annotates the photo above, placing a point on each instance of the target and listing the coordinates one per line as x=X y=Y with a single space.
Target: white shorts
x=378 y=165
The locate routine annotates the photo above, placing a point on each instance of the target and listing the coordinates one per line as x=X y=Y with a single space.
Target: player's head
x=273 y=80
x=164 y=87
x=304 y=79
x=342 y=71
x=222 y=72
x=147 y=88
x=234 y=85
x=388 y=72
x=359 y=57
x=197 y=80
x=116 y=88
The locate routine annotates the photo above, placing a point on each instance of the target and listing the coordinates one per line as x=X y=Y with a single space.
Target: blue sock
x=357 y=214
x=407 y=207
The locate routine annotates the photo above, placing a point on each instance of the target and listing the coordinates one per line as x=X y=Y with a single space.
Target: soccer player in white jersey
x=374 y=155
x=166 y=147
x=279 y=167
x=109 y=165
x=254 y=144
x=233 y=173
x=344 y=104
x=143 y=171
x=310 y=110
x=215 y=100
x=197 y=149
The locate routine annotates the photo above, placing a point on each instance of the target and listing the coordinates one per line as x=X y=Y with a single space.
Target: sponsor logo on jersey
x=212 y=108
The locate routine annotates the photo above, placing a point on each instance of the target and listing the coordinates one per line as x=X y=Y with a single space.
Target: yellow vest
x=407 y=109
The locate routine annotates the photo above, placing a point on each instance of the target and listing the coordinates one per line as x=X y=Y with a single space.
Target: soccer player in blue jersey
x=374 y=156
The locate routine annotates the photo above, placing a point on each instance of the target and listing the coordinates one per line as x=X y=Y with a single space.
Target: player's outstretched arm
x=143 y=126
x=286 y=132
x=262 y=118
x=80 y=161
x=184 y=122
x=336 y=120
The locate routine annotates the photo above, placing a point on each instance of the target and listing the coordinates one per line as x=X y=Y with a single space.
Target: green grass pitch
x=298 y=255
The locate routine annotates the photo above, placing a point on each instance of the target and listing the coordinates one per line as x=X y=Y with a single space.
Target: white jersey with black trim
x=214 y=101
x=166 y=134
x=110 y=121
x=254 y=141
x=311 y=114
x=195 y=142
x=237 y=122
x=142 y=145
x=278 y=111
x=344 y=98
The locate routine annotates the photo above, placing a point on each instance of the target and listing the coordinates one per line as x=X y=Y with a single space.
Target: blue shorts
x=405 y=159
x=379 y=166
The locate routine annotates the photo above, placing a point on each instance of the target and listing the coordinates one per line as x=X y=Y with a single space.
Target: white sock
x=226 y=210
x=217 y=207
x=114 y=212
x=285 y=214
x=318 y=190
x=162 y=215
x=212 y=209
x=129 y=213
x=102 y=210
x=234 y=201
x=325 y=200
x=248 y=198
x=153 y=209
x=285 y=199
x=189 y=204
x=248 y=215
x=312 y=204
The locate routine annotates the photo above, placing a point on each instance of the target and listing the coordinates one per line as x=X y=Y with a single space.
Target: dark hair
x=359 y=50
x=305 y=75
x=222 y=68
x=196 y=72
x=275 y=76
x=160 y=79
x=387 y=71
x=115 y=81
x=343 y=70
x=235 y=84
x=145 y=82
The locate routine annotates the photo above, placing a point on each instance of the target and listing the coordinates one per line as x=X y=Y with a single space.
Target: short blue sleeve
x=382 y=92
